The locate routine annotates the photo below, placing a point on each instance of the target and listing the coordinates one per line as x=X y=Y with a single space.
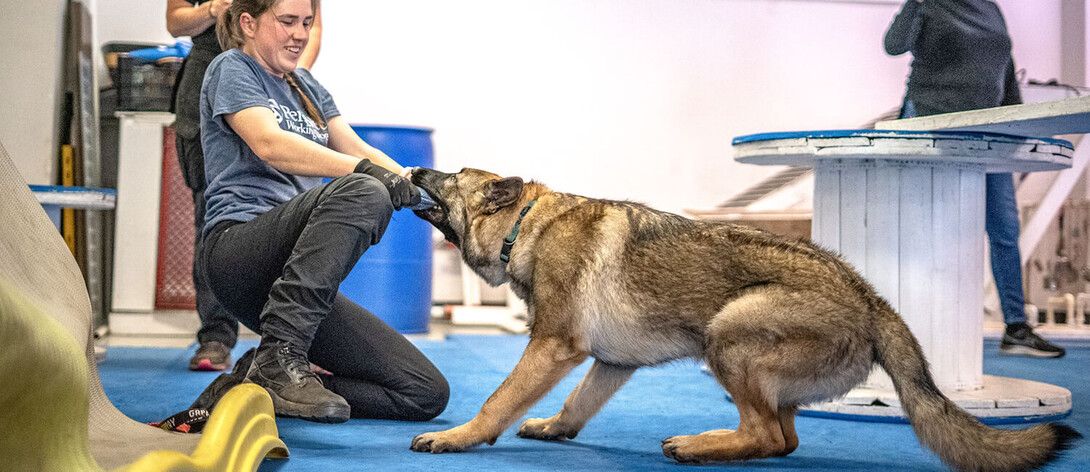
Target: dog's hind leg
x=759 y=435
x=597 y=387
x=787 y=426
x=772 y=349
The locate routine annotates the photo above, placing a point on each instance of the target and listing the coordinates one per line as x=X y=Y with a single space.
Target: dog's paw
x=681 y=449
x=545 y=428
x=440 y=442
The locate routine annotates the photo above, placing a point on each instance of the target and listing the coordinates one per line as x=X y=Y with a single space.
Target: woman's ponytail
x=228 y=29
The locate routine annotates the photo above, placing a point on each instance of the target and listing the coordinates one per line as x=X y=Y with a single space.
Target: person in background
x=278 y=241
x=961 y=60
x=197 y=19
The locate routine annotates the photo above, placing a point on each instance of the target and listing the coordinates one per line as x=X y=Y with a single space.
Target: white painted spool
x=907 y=210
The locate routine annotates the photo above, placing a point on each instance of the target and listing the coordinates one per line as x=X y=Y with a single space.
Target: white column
x=913 y=229
x=136 y=231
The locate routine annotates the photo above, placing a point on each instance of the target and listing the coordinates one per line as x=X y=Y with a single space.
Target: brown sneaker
x=212 y=356
x=296 y=391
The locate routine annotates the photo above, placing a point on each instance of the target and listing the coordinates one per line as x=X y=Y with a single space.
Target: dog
x=779 y=322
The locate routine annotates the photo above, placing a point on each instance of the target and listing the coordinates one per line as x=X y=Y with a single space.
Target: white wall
x=31 y=53
x=633 y=99
x=629 y=99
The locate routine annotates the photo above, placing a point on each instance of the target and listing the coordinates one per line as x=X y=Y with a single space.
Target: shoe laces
x=295 y=362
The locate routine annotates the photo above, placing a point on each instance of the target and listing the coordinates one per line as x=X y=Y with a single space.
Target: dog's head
x=469 y=210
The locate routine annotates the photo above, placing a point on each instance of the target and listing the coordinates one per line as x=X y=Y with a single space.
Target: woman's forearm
x=286 y=151
x=344 y=139
x=293 y=154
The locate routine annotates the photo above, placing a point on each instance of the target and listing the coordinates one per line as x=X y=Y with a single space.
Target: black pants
x=279 y=274
x=216 y=323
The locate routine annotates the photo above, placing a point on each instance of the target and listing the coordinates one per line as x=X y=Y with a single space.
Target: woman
x=278 y=243
x=961 y=60
x=197 y=19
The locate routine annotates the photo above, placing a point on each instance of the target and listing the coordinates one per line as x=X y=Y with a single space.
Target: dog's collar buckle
x=509 y=241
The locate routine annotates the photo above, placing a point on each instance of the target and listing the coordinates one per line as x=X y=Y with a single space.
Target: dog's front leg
x=543 y=364
x=599 y=385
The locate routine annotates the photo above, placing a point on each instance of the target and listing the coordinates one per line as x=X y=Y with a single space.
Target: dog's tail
x=958 y=438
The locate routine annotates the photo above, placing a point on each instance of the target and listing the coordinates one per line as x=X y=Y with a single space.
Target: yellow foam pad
x=43 y=397
x=239 y=434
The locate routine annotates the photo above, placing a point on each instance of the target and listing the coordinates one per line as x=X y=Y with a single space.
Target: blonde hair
x=229 y=34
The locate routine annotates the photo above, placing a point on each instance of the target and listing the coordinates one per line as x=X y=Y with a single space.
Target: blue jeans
x=1001 y=223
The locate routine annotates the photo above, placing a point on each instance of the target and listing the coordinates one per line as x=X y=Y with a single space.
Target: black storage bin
x=143 y=85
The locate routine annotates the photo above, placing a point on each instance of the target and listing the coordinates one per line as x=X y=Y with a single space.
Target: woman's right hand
x=402 y=192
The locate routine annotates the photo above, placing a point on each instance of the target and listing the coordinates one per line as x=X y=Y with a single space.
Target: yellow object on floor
x=54 y=414
x=43 y=402
x=240 y=433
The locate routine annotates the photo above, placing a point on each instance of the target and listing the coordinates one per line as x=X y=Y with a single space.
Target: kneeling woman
x=279 y=242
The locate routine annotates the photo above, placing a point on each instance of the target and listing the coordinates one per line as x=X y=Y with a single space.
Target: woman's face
x=277 y=37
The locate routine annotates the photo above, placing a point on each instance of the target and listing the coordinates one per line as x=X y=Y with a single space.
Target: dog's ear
x=501 y=193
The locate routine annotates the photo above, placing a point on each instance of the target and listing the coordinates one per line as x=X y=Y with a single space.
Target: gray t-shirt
x=241 y=186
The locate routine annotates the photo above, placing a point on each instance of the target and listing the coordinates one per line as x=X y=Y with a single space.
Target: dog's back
x=649 y=282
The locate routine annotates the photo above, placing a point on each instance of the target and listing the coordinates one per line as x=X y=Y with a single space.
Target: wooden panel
x=853 y=217
x=1067 y=116
x=882 y=220
x=945 y=203
x=970 y=312
x=916 y=253
x=826 y=229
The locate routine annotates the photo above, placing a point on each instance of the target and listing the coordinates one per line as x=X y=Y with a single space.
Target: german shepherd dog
x=781 y=323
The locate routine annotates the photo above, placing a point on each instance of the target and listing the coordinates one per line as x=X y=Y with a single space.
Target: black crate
x=143 y=85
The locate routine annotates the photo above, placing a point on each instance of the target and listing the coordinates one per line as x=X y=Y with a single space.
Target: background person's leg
x=219 y=330
x=1001 y=221
x=376 y=369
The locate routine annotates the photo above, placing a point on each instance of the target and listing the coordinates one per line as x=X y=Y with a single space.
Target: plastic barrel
x=393 y=278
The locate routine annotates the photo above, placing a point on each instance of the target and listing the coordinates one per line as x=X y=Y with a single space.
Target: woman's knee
x=363 y=191
x=362 y=201
x=429 y=398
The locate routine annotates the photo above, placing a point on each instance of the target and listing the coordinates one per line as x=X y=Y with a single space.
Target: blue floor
x=150 y=383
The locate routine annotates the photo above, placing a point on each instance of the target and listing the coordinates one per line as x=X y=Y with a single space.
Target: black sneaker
x=1020 y=340
x=296 y=391
x=212 y=356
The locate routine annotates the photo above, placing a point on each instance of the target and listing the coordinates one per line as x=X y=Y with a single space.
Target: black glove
x=402 y=192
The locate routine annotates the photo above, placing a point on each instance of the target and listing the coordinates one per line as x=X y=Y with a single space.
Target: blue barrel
x=393 y=278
